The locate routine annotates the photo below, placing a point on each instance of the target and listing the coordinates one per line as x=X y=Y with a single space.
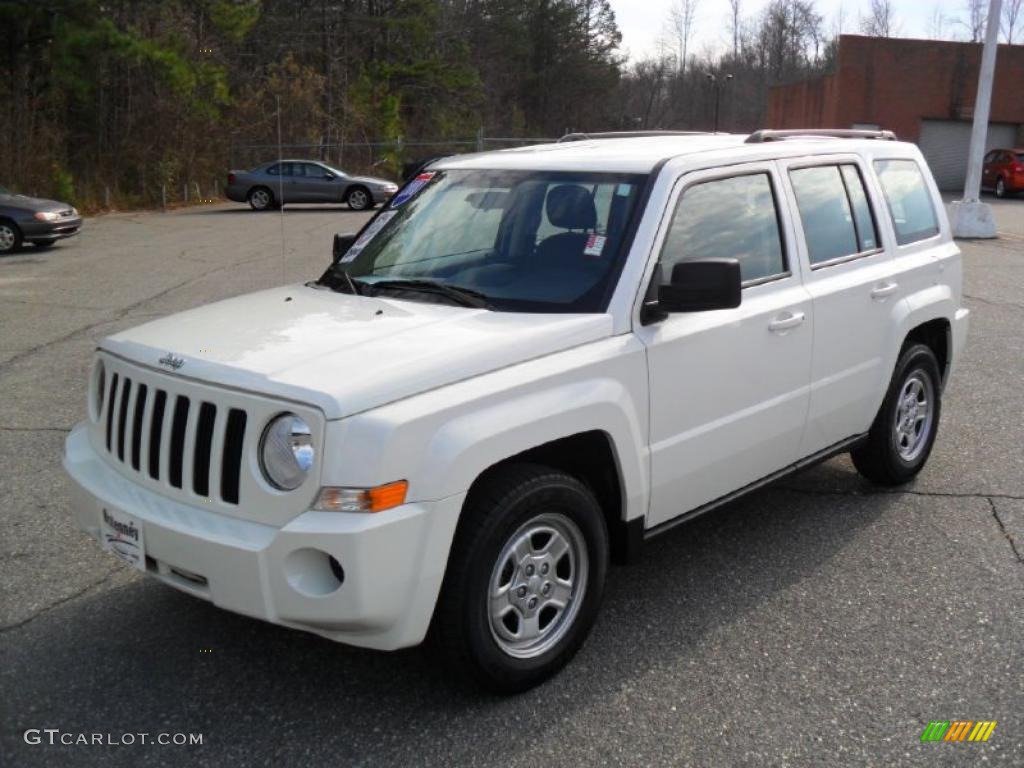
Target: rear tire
x=903 y=433
x=260 y=199
x=10 y=237
x=525 y=578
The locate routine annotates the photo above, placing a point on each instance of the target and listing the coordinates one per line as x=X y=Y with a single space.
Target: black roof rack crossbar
x=768 y=134
x=629 y=135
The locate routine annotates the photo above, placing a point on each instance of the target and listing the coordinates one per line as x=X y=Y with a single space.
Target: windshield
x=526 y=241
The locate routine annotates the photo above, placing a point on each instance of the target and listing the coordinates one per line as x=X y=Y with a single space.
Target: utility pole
x=971 y=217
x=718 y=92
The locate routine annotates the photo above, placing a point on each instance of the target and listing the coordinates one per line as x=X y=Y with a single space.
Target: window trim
x=885 y=194
x=838 y=164
x=787 y=270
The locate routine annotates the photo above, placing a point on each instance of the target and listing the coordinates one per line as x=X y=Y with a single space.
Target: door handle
x=785 y=321
x=884 y=290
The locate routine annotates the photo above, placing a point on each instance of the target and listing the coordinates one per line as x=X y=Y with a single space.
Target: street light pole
x=718 y=93
x=971 y=217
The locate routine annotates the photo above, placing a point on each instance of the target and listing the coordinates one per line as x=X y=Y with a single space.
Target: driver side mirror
x=699 y=285
x=329 y=176
x=342 y=242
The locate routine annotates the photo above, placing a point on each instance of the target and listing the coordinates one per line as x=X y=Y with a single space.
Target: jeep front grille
x=188 y=443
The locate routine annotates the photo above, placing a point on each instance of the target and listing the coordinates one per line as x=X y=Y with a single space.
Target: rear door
x=728 y=388
x=851 y=280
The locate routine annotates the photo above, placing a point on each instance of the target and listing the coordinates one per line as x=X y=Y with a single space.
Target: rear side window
x=834 y=211
x=910 y=204
x=280 y=169
x=733 y=218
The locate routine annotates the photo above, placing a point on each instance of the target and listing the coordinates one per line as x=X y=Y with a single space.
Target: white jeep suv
x=525 y=365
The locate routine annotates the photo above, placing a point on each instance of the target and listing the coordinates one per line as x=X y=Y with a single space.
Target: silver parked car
x=305 y=181
x=25 y=219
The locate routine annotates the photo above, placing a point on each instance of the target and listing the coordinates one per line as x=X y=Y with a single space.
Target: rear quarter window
x=910 y=203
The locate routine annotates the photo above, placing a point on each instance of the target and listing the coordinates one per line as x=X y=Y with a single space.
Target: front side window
x=834 y=211
x=527 y=241
x=733 y=218
x=910 y=204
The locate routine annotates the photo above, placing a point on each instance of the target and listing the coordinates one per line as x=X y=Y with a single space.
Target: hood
x=33 y=203
x=346 y=354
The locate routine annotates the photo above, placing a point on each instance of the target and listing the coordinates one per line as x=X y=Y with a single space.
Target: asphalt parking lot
x=818 y=622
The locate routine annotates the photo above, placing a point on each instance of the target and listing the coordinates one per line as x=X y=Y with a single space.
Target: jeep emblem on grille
x=171 y=361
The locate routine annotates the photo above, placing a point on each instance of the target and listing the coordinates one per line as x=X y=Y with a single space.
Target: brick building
x=924 y=90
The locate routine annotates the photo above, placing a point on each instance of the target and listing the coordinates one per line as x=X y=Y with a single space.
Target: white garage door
x=944 y=144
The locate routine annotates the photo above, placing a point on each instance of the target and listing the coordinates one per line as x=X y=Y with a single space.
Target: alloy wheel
x=7 y=238
x=915 y=409
x=537 y=585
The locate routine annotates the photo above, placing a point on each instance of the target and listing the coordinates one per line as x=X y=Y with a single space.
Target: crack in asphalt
x=35 y=429
x=989 y=497
x=1006 y=533
x=994 y=302
x=57 y=603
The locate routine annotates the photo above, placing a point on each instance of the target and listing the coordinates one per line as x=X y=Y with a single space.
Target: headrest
x=570 y=206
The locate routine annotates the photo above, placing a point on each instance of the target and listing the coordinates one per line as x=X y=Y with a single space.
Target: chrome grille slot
x=178 y=427
x=122 y=418
x=231 y=467
x=110 y=412
x=140 y=408
x=201 y=455
x=156 y=425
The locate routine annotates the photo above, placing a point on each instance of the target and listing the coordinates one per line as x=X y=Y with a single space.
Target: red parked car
x=1003 y=172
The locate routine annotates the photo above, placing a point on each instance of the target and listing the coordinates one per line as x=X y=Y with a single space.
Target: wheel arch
x=591 y=458
x=937 y=335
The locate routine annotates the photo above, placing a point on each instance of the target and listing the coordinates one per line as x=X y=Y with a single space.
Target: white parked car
x=527 y=364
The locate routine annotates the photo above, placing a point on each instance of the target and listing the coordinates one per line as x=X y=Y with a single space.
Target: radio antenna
x=280 y=190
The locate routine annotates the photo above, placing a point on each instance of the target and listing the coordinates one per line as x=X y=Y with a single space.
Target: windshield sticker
x=623 y=190
x=367 y=236
x=411 y=189
x=595 y=245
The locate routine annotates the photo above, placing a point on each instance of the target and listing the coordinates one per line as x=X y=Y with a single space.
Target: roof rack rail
x=768 y=134
x=628 y=135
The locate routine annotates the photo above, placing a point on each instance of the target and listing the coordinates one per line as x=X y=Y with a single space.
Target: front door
x=729 y=388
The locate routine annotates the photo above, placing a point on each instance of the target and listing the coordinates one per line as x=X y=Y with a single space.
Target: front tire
x=903 y=433
x=10 y=237
x=358 y=199
x=1000 y=187
x=524 y=580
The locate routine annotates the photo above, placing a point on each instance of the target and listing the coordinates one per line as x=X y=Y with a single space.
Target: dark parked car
x=305 y=181
x=1003 y=171
x=25 y=219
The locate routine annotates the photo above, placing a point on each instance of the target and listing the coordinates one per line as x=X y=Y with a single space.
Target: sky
x=642 y=21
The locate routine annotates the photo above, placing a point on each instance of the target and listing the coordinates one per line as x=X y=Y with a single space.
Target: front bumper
x=393 y=561
x=380 y=196
x=33 y=230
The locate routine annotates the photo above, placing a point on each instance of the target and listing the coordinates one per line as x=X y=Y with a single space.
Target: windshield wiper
x=467 y=297
x=347 y=280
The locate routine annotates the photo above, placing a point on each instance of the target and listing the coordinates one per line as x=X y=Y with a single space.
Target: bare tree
x=1011 y=18
x=938 y=23
x=977 y=15
x=880 y=20
x=679 y=27
x=735 y=25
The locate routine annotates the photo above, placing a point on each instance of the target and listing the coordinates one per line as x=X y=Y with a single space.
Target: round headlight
x=286 y=451
x=99 y=389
